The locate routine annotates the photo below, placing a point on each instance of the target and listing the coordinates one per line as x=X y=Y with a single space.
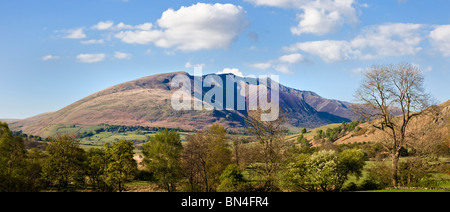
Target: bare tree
x=391 y=96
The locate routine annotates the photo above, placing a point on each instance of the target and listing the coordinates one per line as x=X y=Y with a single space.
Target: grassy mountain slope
x=147 y=102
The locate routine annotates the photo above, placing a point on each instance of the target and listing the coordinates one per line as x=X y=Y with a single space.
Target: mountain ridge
x=146 y=102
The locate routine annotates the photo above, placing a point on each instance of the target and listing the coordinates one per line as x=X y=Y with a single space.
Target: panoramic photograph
x=245 y=98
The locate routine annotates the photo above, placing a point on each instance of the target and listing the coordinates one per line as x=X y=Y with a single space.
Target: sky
x=53 y=52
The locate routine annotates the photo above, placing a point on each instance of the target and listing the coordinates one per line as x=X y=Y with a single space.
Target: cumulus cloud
x=440 y=39
x=282 y=64
x=328 y=50
x=234 y=71
x=75 y=33
x=109 y=25
x=262 y=66
x=91 y=58
x=103 y=25
x=189 y=65
x=292 y=58
x=89 y=42
x=197 y=27
x=122 y=56
x=317 y=17
x=49 y=57
x=392 y=39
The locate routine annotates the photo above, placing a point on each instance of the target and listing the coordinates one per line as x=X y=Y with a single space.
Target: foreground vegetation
x=211 y=161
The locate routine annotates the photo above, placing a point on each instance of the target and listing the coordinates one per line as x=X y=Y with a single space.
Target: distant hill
x=365 y=132
x=9 y=120
x=147 y=102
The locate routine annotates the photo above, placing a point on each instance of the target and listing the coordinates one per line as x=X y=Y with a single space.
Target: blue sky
x=55 y=52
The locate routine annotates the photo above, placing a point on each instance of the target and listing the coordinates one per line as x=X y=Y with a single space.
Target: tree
x=304 y=131
x=64 y=165
x=270 y=135
x=121 y=165
x=162 y=156
x=12 y=160
x=205 y=157
x=231 y=179
x=387 y=91
x=305 y=145
x=96 y=164
x=324 y=171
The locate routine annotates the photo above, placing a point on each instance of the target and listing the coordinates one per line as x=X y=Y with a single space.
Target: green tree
x=162 y=156
x=96 y=164
x=231 y=179
x=219 y=153
x=304 y=131
x=64 y=165
x=305 y=145
x=13 y=164
x=323 y=171
x=205 y=157
x=121 y=165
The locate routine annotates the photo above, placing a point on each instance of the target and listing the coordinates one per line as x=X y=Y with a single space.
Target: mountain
x=147 y=102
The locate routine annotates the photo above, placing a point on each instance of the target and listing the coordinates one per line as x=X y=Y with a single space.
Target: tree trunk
x=395 y=160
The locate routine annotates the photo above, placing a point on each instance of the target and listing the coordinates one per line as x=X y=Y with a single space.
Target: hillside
x=147 y=102
x=365 y=132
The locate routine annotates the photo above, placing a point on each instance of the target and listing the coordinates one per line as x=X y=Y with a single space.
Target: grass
x=310 y=133
x=100 y=139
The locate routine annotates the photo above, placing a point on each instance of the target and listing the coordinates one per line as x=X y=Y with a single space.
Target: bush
x=231 y=179
x=378 y=176
x=322 y=171
x=414 y=172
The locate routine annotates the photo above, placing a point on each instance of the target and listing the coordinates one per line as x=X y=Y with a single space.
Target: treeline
x=123 y=129
x=139 y=130
x=334 y=133
x=209 y=161
x=64 y=166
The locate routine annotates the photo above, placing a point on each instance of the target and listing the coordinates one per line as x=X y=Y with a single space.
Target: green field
x=99 y=139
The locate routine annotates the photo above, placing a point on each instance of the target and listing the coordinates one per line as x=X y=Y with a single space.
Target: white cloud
x=440 y=39
x=282 y=64
x=262 y=66
x=328 y=50
x=392 y=39
x=283 y=68
x=89 y=42
x=91 y=58
x=189 y=65
x=139 y=37
x=292 y=58
x=197 y=27
x=317 y=17
x=109 y=25
x=122 y=56
x=234 y=71
x=49 y=57
x=75 y=33
x=103 y=25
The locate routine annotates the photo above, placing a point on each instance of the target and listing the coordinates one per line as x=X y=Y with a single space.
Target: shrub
x=231 y=179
